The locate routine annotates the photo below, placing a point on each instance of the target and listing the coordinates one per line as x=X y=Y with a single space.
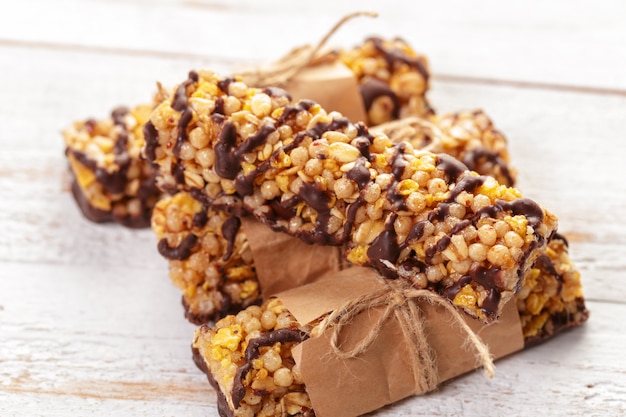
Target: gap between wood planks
x=451 y=78
x=528 y=85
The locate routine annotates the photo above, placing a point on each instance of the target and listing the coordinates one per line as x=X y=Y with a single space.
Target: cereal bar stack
x=420 y=207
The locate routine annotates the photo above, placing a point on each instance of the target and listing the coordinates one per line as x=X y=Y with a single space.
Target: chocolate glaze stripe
x=373 y=89
x=473 y=158
x=230 y=227
x=151 y=138
x=222 y=403
x=114 y=182
x=180 y=252
x=396 y=57
x=181 y=104
x=252 y=352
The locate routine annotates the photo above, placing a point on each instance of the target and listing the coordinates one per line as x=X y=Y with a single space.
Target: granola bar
x=551 y=298
x=208 y=255
x=211 y=263
x=393 y=79
x=317 y=176
x=247 y=358
x=110 y=180
x=468 y=136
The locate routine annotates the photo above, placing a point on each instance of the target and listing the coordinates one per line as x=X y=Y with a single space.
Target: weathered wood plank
x=89 y=323
x=114 y=339
x=560 y=42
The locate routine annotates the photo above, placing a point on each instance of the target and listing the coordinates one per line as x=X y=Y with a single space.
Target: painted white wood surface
x=89 y=323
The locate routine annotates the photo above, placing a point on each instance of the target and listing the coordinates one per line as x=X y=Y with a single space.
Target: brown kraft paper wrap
x=283 y=262
x=332 y=85
x=383 y=374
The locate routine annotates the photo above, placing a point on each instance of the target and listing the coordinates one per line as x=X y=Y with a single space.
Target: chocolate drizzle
x=201 y=218
x=230 y=227
x=314 y=196
x=181 y=105
x=468 y=183
x=452 y=167
x=151 y=137
x=252 y=352
x=385 y=248
x=223 y=84
x=180 y=96
x=226 y=161
x=451 y=291
x=372 y=89
x=228 y=165
x=558 y=236
x=351 y=217
x=472 y=160
x=363 y=143
x=219 y=106
x=416 y=233
x=277 y=92
x=118 y=115
x=178 y=172
x=544 y=262
x=359 y=173
x=398 y=165
x=396 y=57
x=180 y=252
x=488 y=278
x=229 y=156
x=522 y=206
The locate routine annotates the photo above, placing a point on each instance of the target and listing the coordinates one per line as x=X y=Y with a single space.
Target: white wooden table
x=89 y=322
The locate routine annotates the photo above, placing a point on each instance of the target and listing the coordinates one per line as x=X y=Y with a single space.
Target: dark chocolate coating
x=180 y=252
x=252 y=352
x=222 y=403
x=100 y=216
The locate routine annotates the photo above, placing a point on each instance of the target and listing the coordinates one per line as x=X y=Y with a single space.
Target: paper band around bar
x=383 y=374
x=400 y=300
x=283 y=262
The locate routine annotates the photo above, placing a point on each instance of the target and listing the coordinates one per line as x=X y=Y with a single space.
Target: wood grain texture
x=136 y=358
x=89 y=322
x=556 y=43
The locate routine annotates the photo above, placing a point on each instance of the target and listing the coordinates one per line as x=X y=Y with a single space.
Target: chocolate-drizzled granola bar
x=211 y=263
x=315 y=175
x=551 y=298
x=468 y=136
x=248 y=360
x=209 y=257
x=111 y=182
x=393 y=79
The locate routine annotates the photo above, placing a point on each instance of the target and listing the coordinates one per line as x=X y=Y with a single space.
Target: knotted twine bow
x=405 y=130
x=400 y=301
x=287 y=67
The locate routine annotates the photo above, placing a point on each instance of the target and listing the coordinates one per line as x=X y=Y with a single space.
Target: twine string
x=405 y=130
x=401 y=303
x=290 y=65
